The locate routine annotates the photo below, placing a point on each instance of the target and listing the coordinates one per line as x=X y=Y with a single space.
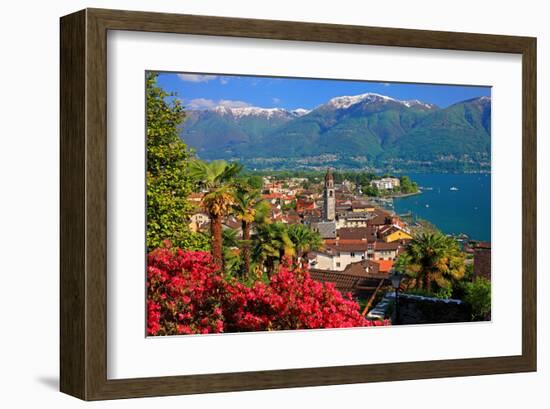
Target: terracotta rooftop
x=381 y=245
x=347 y=233
x=334 y=242
x=360 y=204
x=343 y=282
x=347 y=246
x=364 y=268
x=385 y=266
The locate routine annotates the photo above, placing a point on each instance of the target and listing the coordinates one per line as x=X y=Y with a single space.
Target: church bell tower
x=329 y=211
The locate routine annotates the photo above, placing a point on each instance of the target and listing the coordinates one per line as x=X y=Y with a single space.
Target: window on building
x=352 y=254
x=337 y=264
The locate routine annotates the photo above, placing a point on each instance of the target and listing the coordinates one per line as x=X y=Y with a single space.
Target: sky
x=202 y=91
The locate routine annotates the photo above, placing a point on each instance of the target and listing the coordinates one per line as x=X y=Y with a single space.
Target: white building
x=385 y=183
x=338 y=256
x=198 y=221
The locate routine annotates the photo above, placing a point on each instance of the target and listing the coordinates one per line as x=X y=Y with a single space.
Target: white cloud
x=204 y=103
x=228 y=103
x=386 y=84
x=276 y=100
x=200 y=103
x=223 y=80
x=196 y=77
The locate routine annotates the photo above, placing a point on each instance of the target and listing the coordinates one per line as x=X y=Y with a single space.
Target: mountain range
x=351 y=131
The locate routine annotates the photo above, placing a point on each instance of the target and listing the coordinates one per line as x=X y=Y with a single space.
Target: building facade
x=385 y=183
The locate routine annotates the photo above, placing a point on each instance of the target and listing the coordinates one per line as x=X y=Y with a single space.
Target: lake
x=464 y=209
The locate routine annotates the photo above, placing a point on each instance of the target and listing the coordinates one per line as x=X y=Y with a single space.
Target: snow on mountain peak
x=411 y=102
x=346 y=101
x=257 y=111
x=300 y=111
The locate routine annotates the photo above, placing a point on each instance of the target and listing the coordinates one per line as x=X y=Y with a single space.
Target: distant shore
x=397 y=195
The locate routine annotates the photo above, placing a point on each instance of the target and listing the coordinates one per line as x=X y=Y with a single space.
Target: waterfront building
x=386 y=183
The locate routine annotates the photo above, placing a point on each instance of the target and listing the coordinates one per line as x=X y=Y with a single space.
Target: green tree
x=167 y=178
x=231 y=261
x=433 y=257
x=216 y=178
x=371 y=191
x=304 y=241
x=478 y=295
x=289 y=206
x=256 y=182
x=407 y=185
x=262 y=213
x=271 y=244
x=245 y=204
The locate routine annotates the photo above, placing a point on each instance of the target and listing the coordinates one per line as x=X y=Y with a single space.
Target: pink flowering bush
x=184 y=293
x=187 y=295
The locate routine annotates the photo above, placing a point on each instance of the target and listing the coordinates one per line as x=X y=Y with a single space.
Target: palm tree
x=272 y=244
x=215 y=178
x=263 y=213
x=230 y=244
x=433 y=257
x=246 y=201
x=304 y=240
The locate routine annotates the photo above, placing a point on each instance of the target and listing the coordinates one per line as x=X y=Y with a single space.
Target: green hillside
x=383 y=131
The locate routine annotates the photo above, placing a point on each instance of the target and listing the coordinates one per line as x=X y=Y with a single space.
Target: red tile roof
x=366 y=268
x=341 y=242
x=347 y=246
x=357 y=233
x=381 y=245
x=384 y=265
x=343 y=282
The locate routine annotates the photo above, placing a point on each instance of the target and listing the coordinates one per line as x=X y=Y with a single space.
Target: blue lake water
x=466 y=210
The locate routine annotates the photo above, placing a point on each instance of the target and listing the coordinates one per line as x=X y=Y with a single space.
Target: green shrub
x=478 y=294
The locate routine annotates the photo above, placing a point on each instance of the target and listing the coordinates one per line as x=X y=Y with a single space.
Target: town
x=236 y=248
x=361 y=239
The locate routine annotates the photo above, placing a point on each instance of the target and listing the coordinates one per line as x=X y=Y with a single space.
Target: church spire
x=329 y=197
x=328 y=176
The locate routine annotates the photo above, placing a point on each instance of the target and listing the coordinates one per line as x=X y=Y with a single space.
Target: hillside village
x=266 y=249
x=361 y=240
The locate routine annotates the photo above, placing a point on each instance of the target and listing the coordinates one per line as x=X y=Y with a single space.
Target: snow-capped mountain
x=369 y=125
x=268 y=113
x=345 y=102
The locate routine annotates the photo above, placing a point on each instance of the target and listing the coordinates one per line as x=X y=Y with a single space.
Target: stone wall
x=415 y=309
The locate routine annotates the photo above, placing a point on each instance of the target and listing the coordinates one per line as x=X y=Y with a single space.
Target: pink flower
x=187 y=295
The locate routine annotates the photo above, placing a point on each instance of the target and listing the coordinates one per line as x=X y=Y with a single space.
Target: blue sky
x=200 y=91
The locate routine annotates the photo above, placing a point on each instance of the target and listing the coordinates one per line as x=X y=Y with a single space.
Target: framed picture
x=254 y=204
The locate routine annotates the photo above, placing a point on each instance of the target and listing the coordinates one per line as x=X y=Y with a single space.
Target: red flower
x=187 y=295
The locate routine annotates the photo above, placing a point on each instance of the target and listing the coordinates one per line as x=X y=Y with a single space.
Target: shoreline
x=395 y=195
x=401 y=195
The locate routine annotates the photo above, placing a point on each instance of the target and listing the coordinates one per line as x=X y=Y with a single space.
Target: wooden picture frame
x=84 y=203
